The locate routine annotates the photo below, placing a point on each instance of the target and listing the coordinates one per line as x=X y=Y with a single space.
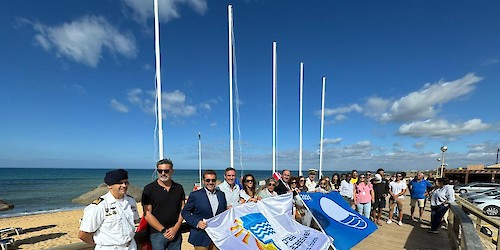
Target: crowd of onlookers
x=365 y=192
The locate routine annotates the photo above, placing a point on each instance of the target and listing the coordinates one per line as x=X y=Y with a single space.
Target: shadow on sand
x=39 y=238
x=36 y=229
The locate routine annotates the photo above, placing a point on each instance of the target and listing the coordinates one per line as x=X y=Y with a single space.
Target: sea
x=45 y=190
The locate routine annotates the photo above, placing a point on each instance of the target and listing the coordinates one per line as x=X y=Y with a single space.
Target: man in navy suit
x=201 y=205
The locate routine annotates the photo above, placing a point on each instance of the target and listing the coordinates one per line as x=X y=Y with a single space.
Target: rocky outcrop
x=5 y=205
x=101 y=190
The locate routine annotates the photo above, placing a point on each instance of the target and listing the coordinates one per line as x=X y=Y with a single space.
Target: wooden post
x=466 y=177
x=493 y=177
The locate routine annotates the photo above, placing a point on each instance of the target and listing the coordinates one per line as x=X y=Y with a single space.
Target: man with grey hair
x=229 y=187
x=283 y=185
x=418 y=190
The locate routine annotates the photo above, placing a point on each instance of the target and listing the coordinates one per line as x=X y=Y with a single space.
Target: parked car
x=486 y=194
x=476 y=186
x=490 y=206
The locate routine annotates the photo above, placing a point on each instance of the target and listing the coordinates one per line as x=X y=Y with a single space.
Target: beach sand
x=43 y=231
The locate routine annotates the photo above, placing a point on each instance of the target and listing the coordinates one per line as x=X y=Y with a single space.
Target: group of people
x=368 y=194
x=108 y=222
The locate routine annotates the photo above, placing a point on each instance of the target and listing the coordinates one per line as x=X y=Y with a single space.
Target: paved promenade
x=411 y=235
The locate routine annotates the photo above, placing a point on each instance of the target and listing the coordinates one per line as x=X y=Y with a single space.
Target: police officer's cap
x=115 y=176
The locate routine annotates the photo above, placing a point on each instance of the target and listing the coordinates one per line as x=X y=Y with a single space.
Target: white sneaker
x=389 y=221
x=400 y=223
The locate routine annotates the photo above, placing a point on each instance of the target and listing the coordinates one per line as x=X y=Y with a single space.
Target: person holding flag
x=283 y=181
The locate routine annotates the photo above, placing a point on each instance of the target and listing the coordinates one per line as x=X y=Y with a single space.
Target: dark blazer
x=281 y=188
x=198 y=208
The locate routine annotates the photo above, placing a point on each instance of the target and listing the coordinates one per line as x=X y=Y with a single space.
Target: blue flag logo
x=338 y=219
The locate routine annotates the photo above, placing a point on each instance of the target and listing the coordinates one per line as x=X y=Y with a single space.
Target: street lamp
x=443 y=149
x=437 y=168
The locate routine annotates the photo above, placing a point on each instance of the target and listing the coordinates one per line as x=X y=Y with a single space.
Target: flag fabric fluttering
x=267 y=224
x=338 y=219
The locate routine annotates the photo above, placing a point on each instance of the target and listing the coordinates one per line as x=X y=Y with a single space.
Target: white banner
x=267 y=224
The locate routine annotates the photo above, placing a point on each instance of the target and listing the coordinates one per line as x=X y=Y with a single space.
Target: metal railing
x=470 y=231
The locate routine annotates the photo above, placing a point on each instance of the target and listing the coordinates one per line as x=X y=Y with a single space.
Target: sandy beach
x=45 y=231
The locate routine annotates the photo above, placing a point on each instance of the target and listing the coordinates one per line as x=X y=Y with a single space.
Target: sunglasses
x=293 y=182
x=248 y=180
x=399 y=176
x=322 y=183
x=210 y=180
x=272 y=185
x=161 y=171
x=361 y=177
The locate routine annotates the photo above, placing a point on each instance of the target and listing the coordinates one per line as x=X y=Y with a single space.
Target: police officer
x=109 y=221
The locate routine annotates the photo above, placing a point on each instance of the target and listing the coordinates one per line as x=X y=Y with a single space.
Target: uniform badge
x=97 y=201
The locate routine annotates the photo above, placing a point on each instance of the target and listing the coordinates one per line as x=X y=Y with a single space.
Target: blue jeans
x=437 y=213
x=159 y=242
x=364 y=208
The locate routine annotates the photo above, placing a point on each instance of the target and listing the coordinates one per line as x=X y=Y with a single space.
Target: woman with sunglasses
x=324 y=186
x=301 y=184
x=248 y=193
x=363 y=196
x=268 y=191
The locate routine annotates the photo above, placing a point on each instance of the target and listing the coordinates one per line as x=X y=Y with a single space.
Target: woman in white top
x=248 y=193
x=268 y=191
x=441 y=198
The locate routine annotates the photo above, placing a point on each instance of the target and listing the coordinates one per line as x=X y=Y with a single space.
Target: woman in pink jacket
x=363 y=196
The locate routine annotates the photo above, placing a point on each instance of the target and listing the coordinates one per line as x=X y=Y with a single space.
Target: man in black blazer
x=201 y=205
x=283 y=184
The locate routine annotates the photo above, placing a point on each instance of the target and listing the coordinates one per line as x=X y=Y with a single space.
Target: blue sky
x=402 y=79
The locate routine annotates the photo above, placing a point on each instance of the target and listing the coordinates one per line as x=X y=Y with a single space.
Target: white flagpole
x=199 y=156
x=274 y=107
x=158 y=82
x=322 y=129
x=230 y=34
x=300 y=118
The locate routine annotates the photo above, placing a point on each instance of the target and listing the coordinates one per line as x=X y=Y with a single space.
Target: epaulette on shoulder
x=130 y=196
x=97 y=201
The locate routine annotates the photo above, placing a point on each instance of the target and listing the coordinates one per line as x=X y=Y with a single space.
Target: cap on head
x=312 y=171
x=378 y=178
x=115 y=176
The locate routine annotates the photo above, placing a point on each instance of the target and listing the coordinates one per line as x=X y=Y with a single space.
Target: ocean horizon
x=44 y=190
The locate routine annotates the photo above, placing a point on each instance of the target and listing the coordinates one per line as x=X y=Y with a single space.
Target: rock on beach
x=101 y=190
x=4 y=206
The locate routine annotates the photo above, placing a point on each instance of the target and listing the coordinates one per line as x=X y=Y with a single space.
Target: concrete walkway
x=411 y=235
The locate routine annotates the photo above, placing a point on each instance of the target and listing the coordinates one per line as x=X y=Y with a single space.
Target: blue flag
x=338 y=219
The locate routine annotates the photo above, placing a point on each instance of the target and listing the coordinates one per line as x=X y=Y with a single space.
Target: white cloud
x=83 y=40
x=419 y=145
x=147 y=67
x=342 y=110
x=75 y=88
x=118 y=106
x=340 y=117
x=206 y=106
x=441 y=128
x=422 y=104
x=173 y=103
x=332 y=141
x=491 y=62
x=167 y=9
x=213 y=124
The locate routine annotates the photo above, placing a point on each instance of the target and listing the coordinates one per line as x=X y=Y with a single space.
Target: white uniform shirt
x=311 y=185
x=232 y=195
x=112 y=222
